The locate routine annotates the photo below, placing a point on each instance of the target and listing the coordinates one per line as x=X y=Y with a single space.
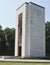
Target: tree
x=7 y=41
x=0 y=27
x=10 y=40
x=47 y=30
x=2 y=41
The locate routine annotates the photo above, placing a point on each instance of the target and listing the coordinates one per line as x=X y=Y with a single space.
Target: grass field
x=18 y=63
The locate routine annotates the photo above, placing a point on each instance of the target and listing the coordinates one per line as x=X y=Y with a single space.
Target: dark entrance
x=19 y=51
x=19 y=34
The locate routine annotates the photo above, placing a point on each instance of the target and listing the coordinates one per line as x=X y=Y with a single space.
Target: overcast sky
x=8 y=11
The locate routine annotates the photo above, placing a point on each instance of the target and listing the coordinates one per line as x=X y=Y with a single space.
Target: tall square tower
x=30 y=31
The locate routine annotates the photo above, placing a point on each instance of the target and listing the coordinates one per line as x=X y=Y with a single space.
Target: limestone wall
x=37 y=31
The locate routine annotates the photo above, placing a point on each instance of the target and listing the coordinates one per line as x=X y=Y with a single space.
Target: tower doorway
x=19 y=51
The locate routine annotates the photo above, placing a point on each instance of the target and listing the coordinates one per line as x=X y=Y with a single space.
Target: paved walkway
x=23 y=60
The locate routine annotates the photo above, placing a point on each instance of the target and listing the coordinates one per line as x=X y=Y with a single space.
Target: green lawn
x=18 y=63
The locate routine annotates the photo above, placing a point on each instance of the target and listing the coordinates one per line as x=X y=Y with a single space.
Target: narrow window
x=19 y=33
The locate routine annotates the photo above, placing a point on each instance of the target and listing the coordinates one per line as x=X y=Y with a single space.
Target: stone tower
x=30 y=30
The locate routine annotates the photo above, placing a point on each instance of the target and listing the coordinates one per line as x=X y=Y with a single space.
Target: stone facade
x=33 y=30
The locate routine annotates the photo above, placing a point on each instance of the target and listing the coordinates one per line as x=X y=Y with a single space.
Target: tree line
x=47 y=38
x=7 y=40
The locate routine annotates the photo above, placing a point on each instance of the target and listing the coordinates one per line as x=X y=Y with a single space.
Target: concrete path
x=24 y=60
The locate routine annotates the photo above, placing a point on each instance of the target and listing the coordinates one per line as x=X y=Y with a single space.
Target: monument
x=30 y=30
